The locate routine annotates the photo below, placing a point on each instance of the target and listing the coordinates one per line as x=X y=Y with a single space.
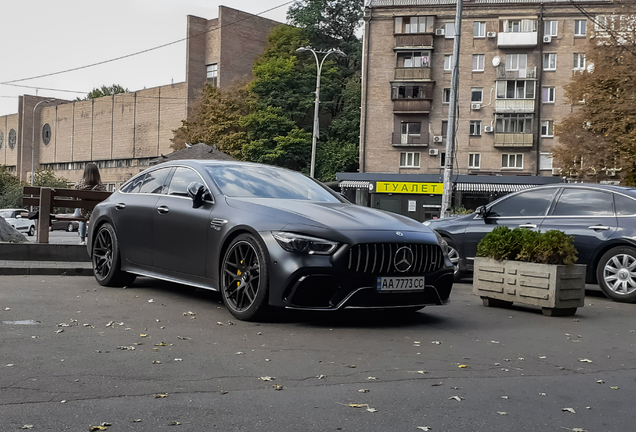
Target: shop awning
x=491 y=187
x=354 y=184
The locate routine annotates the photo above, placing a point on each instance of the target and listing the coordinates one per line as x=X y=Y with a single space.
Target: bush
x=461 y=210
x=521 y=244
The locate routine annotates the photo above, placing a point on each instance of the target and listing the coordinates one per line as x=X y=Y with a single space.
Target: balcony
x=514 y=105
x=517 y=40
x=414 y=40
x=503 y=74
x=411 y=105
x=513 y=139
x=412 y=73
x=411 y=140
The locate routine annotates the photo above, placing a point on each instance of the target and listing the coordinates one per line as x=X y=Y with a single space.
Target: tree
x=328 y=20
x=600 y=135
x=11 y=188
x=104 y=91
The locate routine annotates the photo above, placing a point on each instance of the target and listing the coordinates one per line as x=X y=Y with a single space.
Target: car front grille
x=379 y=258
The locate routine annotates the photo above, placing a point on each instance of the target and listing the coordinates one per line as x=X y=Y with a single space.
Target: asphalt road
x=59 y=237
x=460 y=367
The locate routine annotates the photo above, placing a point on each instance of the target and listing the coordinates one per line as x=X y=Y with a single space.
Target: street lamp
x=33 y=135
x=319 y=64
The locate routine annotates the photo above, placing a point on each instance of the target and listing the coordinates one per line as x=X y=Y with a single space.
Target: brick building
x=124 y=132
x=515 y=57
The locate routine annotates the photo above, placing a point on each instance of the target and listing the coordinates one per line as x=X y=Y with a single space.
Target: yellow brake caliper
x=238 y=273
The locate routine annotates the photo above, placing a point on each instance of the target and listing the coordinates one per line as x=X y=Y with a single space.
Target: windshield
x=260 y=181
x=5 y=214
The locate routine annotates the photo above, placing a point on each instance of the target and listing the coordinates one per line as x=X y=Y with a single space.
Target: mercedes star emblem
x=403 y=260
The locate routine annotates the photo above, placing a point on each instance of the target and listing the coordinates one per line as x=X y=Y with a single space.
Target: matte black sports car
x=264 y=236
x=601 y=218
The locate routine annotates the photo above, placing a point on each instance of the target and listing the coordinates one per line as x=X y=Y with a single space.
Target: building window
x=549 y=62
x=579 y=61
x=515 y=89
x=46 y=134
x=580 y=27
x=410 y=91
x=419 y=24
x=446 y=96
x=519 y=26
x=1 y=139
x=548 y=94
x=477 y=94
x=512 y=160
x=448 y=62
x=449 y=30
x=479 y=29
x=513 y=123
x=212 y=74
x=474 y=160
x=410 y=160
x=478 y=62
x=547 y=128
x=411 y=132
x=444 y=128
x=414 y=59
x=545 y=161
x=550 y=28
x=442 y=159
x=515 y=62
x=12 y=139
x=475 y=127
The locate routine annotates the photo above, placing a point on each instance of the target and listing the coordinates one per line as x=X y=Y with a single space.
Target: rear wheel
x=70 y=227
x=106 y=259
x=244 y=278
x=616 y=274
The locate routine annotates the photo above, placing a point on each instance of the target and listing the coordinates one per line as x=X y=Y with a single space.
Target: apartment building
x=515 y=57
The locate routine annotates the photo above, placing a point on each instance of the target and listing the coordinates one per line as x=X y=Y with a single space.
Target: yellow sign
x=409 y=188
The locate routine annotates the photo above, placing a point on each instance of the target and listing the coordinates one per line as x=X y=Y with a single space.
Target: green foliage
x=461 y=210
x=11 y=188
x=11 y=196
x=520 y=244
x=328 y=20
x=46 y=178
x=105 y=91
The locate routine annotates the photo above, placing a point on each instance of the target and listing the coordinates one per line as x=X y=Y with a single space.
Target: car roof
x=606 y=187
x=14 y=209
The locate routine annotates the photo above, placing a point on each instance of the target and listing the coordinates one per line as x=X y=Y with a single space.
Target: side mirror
x=481 y=211
x=343 y=197
x=198 y=192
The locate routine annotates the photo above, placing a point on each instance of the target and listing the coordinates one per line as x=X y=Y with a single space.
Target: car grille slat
x=378 y=258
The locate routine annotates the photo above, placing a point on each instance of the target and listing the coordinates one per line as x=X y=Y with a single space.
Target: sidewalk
x=56 y=268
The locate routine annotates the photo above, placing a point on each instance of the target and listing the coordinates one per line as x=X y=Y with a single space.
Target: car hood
x=341 y=216
x=449 y=221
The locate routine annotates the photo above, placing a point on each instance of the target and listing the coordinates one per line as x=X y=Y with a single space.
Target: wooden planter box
x=558 y=289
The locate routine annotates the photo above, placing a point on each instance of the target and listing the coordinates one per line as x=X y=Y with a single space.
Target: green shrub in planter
x=521 y=244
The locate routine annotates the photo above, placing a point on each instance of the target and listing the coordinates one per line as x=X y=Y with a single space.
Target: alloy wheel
x=453 y=255
x=103 y=254
x=619 y=274
x=241 y=276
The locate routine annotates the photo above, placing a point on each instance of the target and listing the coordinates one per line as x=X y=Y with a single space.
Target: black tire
x=616 y=274
x=70 y=227
x=244 y=278
x=32 y=231
x=106 y=259
x=453 y=254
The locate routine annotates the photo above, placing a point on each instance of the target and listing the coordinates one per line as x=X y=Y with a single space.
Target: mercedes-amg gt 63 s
x=265 y=237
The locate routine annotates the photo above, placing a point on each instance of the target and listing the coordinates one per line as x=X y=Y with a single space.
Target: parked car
x=602 y=219
x=264 y=237
x=19 y=219
x=66 y=225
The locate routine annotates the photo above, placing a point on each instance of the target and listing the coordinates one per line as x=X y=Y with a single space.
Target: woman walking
x=91 y=180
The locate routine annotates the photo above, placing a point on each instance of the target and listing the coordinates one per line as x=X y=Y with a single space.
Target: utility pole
x=452 y=110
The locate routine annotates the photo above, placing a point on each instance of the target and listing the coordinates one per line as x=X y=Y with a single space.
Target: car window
x=181 y=179
x=134 y=185
x=6 y=214
x=154 y=181
x=584 y=202
x=624 y=206
x=525 y=204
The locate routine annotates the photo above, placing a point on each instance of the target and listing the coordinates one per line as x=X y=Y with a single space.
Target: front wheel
x=244 y=278
x=32 y=231
x=106 y=259
x=616 y=274
x=453 y=255
x=70 y=227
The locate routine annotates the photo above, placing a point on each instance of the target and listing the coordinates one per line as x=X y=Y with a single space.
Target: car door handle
x=599 y=227
x=528 y=226
x=163 y=209
x=120 y=206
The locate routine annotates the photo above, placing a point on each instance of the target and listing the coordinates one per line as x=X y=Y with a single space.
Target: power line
x=146 y=50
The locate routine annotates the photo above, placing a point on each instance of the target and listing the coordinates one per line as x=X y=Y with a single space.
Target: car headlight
x=442 y=243
x=304 y=244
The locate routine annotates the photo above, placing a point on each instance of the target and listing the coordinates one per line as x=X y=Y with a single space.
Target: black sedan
x=601 y=218
x=264 y=237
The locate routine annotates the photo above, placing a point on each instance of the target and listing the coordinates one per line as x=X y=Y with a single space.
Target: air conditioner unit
x=556 y=171
x=437 y=139
x=433 y=152
x=439 y=32
x=491 y=34
x=475 y=106
x=547 y=39
x=488 y=129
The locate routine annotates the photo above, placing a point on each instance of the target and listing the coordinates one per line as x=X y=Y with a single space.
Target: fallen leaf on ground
x=495 y=342
x=542 y=394
x=363 y=391
x=437 y=384
x=143 y=335
x=219 y=323
x=277 y=387
x=156 y=362
x=372 y=410
x=600 y=382
x=151 y=301
x=371 y=378
x=131 y=348
x=161 y=344
x=542 y=357
x=10 y=365
x=422 y=372
x=137 y=420
x=161 y=395
x=585 y=360
x=502 y=413
x=183 y=338
x=189 y=313
x=504 y=397
x=569 y=410
x=239 y=353
x=8 y=309
x=25 y=426
x=59 y=331
x=110 y=324
x=463 y=366
x=457 y=398
x=174 y=423
x=267 y=378
x=424 y=428
x=321 y=376
x=223 y=391
x=614 y=388
x=436 y=342
x=352 y=366
x=63 y=325
x=178 y=359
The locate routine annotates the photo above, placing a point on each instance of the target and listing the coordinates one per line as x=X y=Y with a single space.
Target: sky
x=42 y=37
